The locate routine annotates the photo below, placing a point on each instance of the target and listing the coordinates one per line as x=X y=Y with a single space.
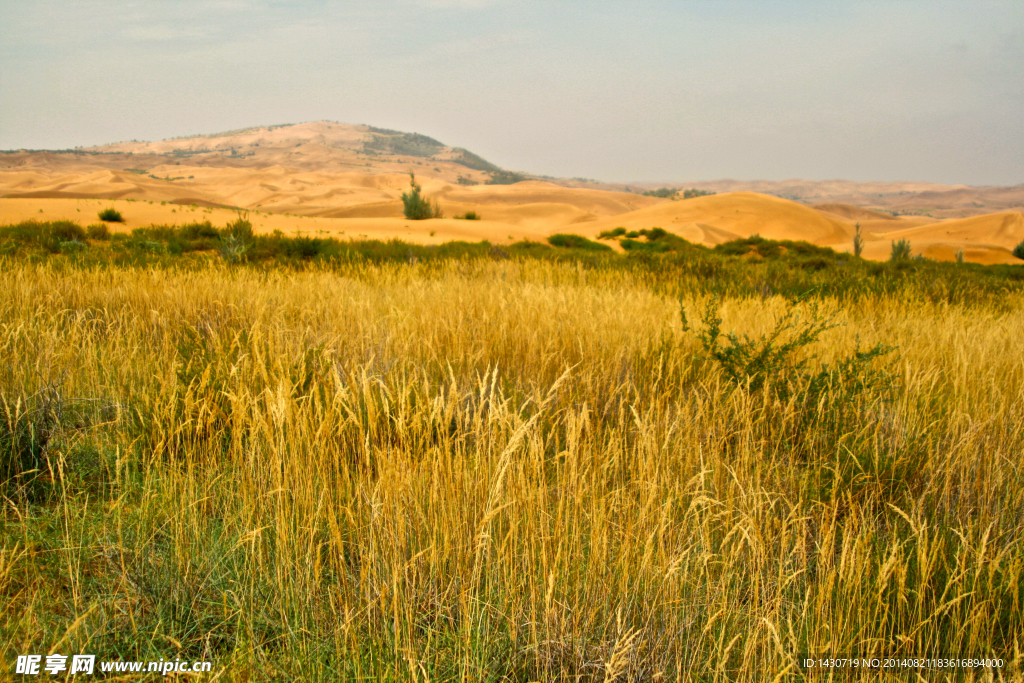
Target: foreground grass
x=507 y=469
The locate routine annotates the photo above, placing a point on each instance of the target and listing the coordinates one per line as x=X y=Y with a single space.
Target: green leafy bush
x=469 y=216
x=111 y=215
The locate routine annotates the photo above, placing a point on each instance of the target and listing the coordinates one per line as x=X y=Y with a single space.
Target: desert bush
x=1018 y=250
x=241 y=228
x=469 y=216
x=111 y=215
x=774 y=359
x=236 y=239
x=416 y=207
x=612 y=234
x=48 y=236
x=900 y=250
x=576 y=242
x=98 y=231
x=663 y=193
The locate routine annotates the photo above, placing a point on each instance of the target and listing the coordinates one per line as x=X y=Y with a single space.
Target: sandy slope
x=143 y=214
x=1005 y=229
x=719 y=218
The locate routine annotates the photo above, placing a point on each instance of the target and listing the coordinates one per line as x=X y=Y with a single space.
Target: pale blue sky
x=631 y=90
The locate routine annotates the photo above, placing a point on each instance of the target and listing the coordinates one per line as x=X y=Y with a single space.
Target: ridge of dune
x=1004 y=229
x=854 y=213
x=708 y=220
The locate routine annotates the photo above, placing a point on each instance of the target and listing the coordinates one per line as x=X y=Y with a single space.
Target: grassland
x=389 y=462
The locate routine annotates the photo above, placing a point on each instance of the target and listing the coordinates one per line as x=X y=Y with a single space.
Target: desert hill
x=348 y=180
x=894 y=198
x=320 y=146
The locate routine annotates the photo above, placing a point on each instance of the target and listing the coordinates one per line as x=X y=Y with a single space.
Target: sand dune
x=1004 y=229
x=853 y=213
x=711 y=220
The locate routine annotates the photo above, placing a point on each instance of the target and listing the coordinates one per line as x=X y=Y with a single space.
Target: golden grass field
x=498 y=470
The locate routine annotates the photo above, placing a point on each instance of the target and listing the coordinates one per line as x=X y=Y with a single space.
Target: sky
x=619 y=91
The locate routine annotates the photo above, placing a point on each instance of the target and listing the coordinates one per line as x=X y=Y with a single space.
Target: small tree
x=900 y=250
x=416 y=206
x=858 y=242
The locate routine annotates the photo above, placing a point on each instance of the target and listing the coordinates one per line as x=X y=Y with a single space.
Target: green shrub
x=47 y=235
x=772 y=359
x=469 y=216
x=417 y=207
x=1018 y=250
x=235 y=240
x=576 y=242
x=98 y=231
x=900 y=250
x=858 y=242
x=612 y=234
x=240 y=228
x=111 y=215
x=663 y=193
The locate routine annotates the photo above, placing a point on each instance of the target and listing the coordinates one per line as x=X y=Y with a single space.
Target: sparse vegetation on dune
x=507 y=464
x=500 y=177
x=672 y=193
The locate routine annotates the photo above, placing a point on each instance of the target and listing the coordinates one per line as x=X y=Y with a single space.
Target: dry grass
x=495 y=471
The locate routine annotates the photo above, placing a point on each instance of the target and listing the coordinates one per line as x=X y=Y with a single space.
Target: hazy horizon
x=649 y=92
